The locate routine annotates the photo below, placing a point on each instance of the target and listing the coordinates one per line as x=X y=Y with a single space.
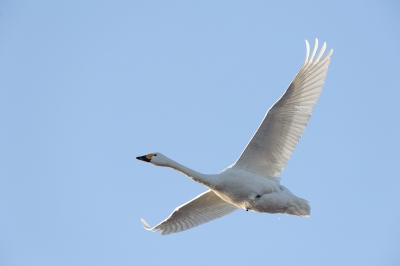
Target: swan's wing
x=202 y=209
x=271 y=146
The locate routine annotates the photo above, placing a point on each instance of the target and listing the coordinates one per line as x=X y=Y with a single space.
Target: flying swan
x=253 y=183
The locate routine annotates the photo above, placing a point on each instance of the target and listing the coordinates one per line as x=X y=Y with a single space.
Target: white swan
x=253 y=183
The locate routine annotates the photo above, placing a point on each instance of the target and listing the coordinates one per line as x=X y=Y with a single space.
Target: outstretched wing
x=202 y=209
x=272 y=145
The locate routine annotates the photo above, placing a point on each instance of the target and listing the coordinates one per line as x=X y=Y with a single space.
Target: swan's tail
x=300 y=207
x=296 y=206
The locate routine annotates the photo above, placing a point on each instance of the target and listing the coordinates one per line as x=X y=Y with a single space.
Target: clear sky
x=86 y=86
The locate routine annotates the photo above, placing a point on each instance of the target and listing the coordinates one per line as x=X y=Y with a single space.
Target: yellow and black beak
x=145 y=158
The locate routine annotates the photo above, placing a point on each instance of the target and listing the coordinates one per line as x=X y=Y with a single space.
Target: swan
x=252 y=182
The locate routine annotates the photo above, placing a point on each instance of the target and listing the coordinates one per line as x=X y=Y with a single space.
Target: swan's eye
x=155 y=154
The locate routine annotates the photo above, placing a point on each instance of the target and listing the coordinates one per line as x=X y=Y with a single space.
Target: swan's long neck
x=206 y=180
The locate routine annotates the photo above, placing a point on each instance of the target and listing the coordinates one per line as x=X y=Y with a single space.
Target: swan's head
x=155 y=158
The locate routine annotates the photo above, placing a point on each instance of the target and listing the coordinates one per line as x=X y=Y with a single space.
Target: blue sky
x=86 y=86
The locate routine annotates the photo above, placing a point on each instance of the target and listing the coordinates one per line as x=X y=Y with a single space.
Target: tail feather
x=299 y=208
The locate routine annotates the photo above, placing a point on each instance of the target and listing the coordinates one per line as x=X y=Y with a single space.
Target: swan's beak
x=143 y=158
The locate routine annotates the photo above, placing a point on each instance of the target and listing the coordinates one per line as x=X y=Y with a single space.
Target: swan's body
x=253 y=182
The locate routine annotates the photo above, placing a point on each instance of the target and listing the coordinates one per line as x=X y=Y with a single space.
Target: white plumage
x=253 y=183
x=205 y=207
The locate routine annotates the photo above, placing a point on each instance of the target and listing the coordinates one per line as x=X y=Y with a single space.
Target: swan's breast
x=242 y=188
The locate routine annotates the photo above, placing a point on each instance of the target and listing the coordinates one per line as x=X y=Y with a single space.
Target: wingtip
x=145 y=224
x=328 y=55
x=321 y=52
x=314 y=50
x=307 y=52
